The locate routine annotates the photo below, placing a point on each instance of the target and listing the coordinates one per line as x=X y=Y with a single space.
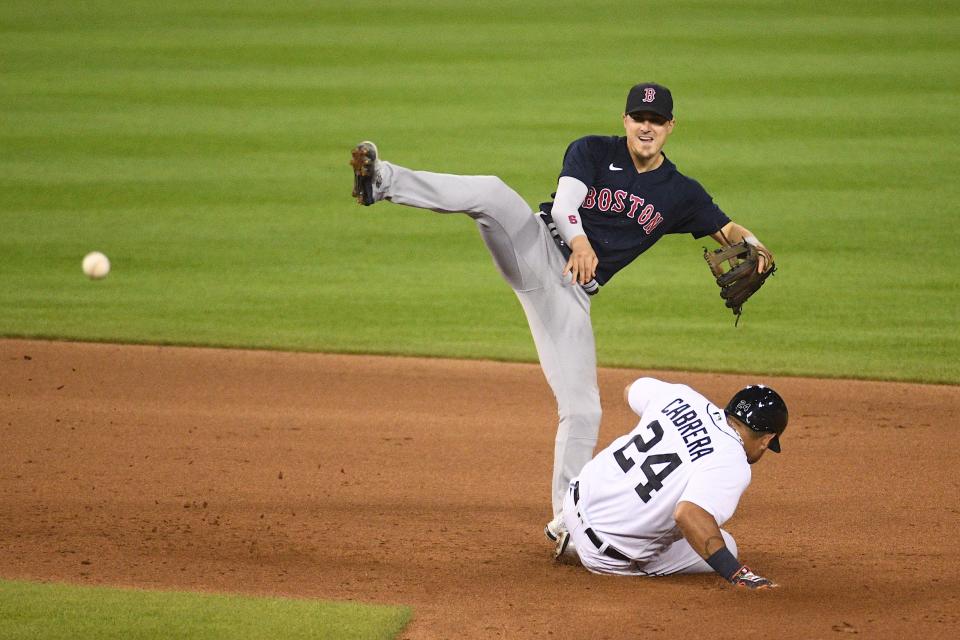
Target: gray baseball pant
x=558 y=312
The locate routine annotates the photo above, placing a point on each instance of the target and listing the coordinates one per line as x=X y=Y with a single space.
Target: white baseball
x=96 y=265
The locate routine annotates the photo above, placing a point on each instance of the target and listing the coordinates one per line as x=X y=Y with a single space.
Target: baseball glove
x=741 y=280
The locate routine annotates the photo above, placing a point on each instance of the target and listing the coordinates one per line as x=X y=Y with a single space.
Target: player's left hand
x=583 y=262
x=748 y=579
x=739 y=270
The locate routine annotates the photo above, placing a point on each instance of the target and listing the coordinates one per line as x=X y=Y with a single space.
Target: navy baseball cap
x=652 y=97
x=762 y=409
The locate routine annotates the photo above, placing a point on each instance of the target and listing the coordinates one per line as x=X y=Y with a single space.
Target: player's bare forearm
x=583 y=262
x=699 y=528
x=732 y=233
x=703 y=533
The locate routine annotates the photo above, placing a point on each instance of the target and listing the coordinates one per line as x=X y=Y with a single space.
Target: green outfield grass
x=203 y=146
x=55 y=611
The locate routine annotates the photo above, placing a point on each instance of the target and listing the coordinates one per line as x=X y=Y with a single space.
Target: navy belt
x=610 y=552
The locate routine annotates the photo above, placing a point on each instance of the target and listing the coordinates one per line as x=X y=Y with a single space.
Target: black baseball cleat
x=554 y=528
x=364 y=161
x=563 y=541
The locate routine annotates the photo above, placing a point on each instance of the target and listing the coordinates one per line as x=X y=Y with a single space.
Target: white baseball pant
x=678 y=557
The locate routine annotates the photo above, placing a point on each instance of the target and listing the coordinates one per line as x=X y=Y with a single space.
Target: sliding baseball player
x=653 y=502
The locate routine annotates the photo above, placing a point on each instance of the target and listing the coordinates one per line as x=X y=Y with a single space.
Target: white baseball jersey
x=682 y=449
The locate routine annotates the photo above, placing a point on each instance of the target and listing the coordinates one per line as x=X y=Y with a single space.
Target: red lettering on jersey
x=618 y=197
x=591 y=199
x=645 y=214
x=657 y=219
x=608 y=200
x=603 y=201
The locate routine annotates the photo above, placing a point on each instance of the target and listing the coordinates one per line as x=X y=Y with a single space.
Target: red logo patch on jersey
x=649 y=93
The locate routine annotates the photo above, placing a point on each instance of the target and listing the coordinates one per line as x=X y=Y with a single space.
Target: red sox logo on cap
x=650 y=97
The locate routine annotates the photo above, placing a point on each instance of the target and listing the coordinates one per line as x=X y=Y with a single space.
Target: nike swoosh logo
x=613 y=168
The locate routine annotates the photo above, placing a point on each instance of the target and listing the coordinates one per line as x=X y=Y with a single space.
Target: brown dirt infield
x=426 y=482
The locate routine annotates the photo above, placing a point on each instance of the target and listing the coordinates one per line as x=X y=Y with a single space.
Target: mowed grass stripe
x=54 y=611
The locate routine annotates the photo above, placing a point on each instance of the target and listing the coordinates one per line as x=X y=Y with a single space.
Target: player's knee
x=485 y=190
x=583 y=422
x=497 y=196
x=494 y=185
x=484 y=198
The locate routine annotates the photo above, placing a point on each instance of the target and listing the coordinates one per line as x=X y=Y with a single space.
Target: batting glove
x=750 y=580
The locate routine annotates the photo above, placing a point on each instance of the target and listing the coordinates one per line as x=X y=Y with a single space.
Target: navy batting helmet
x=762 y=409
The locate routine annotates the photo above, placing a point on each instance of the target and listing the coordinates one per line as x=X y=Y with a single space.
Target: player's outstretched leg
x=375 y=179
x=513 y=235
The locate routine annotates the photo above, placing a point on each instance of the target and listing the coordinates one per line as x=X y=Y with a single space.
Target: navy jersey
x=626 y=212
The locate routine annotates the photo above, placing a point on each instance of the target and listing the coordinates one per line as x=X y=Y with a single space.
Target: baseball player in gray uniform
x=653 y=502
x=616 y=196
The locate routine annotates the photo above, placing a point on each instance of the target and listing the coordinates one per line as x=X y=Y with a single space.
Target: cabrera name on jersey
x=682 y=449
x=626 y=212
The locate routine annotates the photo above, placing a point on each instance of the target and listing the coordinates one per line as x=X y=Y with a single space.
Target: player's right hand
x=748 y=579
x=583 y=261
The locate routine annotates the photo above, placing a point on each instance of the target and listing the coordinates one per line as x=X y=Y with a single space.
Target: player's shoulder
x=650 y=386
x=681 y=398
x=650 y=382
x=679 y=389
x=685 y=182
x=595 y=144
x=648 y=392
